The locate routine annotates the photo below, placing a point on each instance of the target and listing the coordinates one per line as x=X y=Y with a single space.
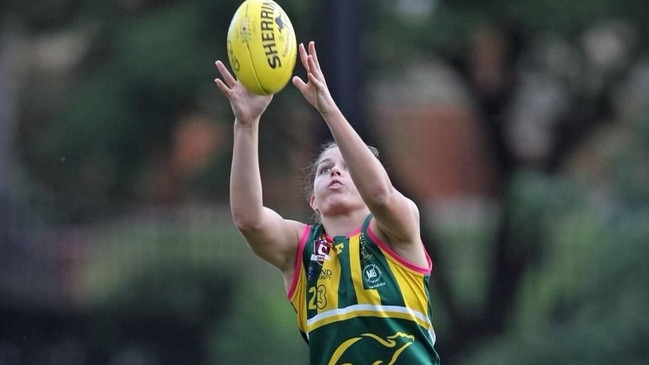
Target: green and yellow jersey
x=358 y=302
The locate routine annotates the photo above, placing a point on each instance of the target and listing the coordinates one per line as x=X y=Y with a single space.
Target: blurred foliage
x=582 y=302
x=193 y=273
x=153 y=67
x=446 y=27
x=145 y=64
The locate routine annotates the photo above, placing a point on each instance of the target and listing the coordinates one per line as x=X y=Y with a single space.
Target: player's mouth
x=335 y=183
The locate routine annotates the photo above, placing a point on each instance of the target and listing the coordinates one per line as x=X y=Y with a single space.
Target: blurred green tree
x=585 y=52
x=131 y=69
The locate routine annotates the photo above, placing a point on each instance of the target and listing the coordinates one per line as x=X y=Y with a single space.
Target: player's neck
x=343 y=224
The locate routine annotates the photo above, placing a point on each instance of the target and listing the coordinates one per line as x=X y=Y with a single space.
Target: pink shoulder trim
x=383 y=246
x=298 y=260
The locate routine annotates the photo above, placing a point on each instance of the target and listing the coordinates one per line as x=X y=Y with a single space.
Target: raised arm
x=269 y=235
x=396 y=216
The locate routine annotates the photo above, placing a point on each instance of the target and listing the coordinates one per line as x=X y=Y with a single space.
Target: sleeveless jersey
x=359 y=303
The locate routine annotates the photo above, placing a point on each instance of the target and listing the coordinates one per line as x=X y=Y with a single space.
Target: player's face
x=334 y=190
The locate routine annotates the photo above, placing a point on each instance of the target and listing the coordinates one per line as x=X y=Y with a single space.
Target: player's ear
x=313 y=204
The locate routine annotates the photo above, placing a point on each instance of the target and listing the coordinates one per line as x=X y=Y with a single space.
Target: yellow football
x=261 y=46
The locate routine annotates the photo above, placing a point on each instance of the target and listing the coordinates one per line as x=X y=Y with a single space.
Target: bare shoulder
x=404 y=239
x=296 y=229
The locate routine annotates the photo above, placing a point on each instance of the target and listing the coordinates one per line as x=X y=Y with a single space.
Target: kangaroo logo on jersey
x=383 y=350
x=320 y=251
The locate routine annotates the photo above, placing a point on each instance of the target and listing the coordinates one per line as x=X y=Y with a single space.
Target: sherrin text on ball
x=261 y=46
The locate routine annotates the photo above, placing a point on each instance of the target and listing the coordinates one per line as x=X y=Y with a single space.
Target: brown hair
x=310 y=170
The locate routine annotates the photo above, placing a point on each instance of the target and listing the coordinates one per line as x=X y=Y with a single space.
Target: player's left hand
x=315 y=90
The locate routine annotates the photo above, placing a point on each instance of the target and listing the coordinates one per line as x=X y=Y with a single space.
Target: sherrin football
x=261 y=46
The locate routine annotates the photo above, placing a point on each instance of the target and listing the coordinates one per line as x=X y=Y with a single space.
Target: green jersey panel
x=358 y=303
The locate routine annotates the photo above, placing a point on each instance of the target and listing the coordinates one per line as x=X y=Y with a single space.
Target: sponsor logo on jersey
x=372 y=276
x=325 y=274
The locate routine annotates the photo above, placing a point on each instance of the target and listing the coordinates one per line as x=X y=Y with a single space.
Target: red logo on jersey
x=321 y=249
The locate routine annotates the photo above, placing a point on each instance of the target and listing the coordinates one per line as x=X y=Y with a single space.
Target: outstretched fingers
x=299 y=83
x=309 y=58
x=303 y=56
x=315 y=74
x=314 y=56
x=228 y=81
x=227 y=76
